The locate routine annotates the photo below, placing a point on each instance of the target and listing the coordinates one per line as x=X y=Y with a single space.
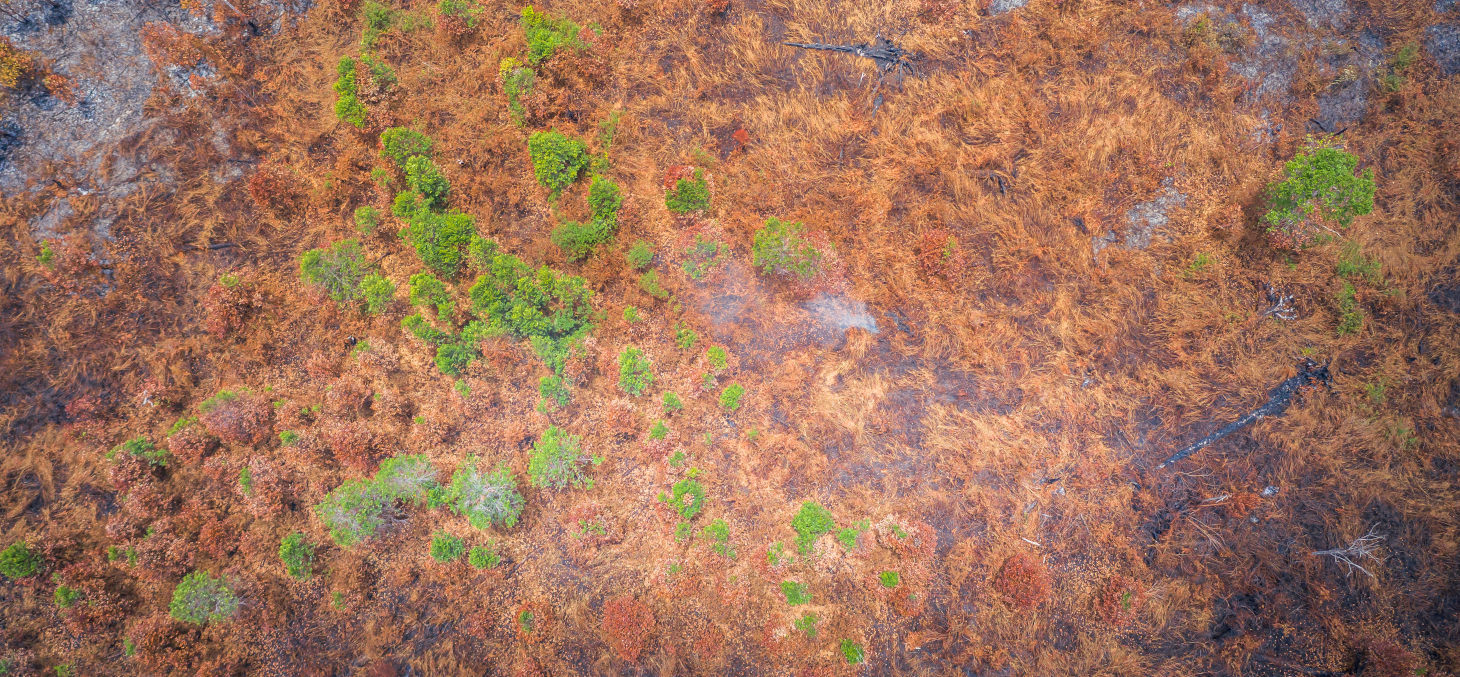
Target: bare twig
x=1281 y=308
x=1358 y=549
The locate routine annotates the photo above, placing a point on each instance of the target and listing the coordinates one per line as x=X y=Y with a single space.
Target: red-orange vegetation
x=127 y=471
x=167 y=45
x=940 y=254
x=164 y=646
x=353 y=446
x=709 y=643
x=628 y=623
x=74 y=269
x=264 y=497
x=907 y=602
x=1023 y=581
x=1119 y=601
x=61 y=87
x=1387 y=658
x=347 y=398
x=191 y=444
x=15 y=64
x=227 y=308
x=243 y=419
x=717 y=7
x=276 y=189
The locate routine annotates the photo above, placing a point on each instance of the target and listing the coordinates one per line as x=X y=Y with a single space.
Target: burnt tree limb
x=1281 y=397
x=883 y=52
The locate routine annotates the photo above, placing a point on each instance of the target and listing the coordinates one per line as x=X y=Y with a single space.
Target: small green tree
x=426 y=290
x=684 y=337
x=807 y=624
x=717 y=357
x=782 y=248
x=795 y=593
x=1319 y=185
x=730 y=397
x=557 y=461
x=352 y=512
x=688 y=498
x=367 y=218
x=672 y=403
x=890 y=579
x=640 y=255
x=554 y=390
x=297 y=555
x=139 y=447
x=546 y=34
x=718 y=534
x=446 y=548
x=556 y=159
x=518 y=82
x=486 y=499
x=658 y=431
x=347 y=100
x=634 y=371
x=66 y=597
x=336 y=269
x=378 y=291
x=407 y=478
x=689 y=195
x=425 y=179
x=811 y=522
x=439 y=238
x=484 y=557
x=399 y=144
x=200 y=599
x=853 y=652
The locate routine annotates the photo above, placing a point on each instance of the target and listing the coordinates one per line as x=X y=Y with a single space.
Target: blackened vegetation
x=1309 y=373
x=886 y=54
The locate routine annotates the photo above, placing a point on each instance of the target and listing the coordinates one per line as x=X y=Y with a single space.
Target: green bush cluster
x=378 y=19
x=438 y=238
x=514 y=299
x=557 y=461
x=400 y=144
x=672 y=403
x=469 y=12
x=1352 y=264
x=427 y=290
x=19 y=561
x=484 y=498
x=297 y=555
x=853 y=652
x=378 y=292
x=1319 y=183
x=347 y=101
x=684 y=337
x=717 y=357
x=631 y=315
x=380 y=72
x=781 y=248
x=796 y=593
x=517 y=83
x=425 y=179
x=484 y=557
x=718 y=534
x=352 y=512
x=556 y=159
x=546 y=34
x=446 y=548
x=649 y=282
x=337 y=269
x=634 y=371
x=811 y=522
x=688 y=195
x=554 y=391
x=141 y=448
x=701 y=257
x=578 y=240
x=200 y=599
x=658 y=431
x=730 y=397
x=1350 y=315
x=890 y=579
x=640 y=255
x=807 y=624
x=367 y=218
x=688 y=498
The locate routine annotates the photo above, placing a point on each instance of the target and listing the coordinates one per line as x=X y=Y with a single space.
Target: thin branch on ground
x=1357 y=550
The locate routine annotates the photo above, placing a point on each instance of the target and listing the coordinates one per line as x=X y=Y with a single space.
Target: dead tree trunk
x=1282 y=396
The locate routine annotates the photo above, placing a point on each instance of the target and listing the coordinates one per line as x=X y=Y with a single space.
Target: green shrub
x=425 y=179
x=810 y=523
x=1319 y=185
x=514 y=299
x=604 y=199
x=890 y=579
x=782 y=248
x=517 y=83
x=485 y=498
x=66 y=596
x=200 y=599
x=378 y=19
x=649 y=282
x=426 y=290
x=807 y=624
x=399 y=144
x=380 y=72
x=658 y=431
x=556 y=159
x=446 y=548
x=352 y=511
x=730 y=397
x=526 y=620
x=795 y=593
x=139 y=447
x=480 y=252
x=63 y=670
x=853 y=652
x=288 y=438
x=717 y=357
x=640 y=255
x=684 y=337
x=718 y=533
x=578 y=240
x=409 y=478
x=336 y=269
x=557 y=461
x=469 y=12
x=48 y=256
x=438 y=238
x=245 y=480
x=297 y=555
x=553 y=389
x=683 y=531
x=672 y=403
x=1353 y=264
x=545 y=34
x=634 y=374
x=1351 y=316
x=688 y=195
x=378 y=292
x=418 y=327
x=688 y=498
x=631 y=314
x=848 y=538
x=347 y=101
x=484 y=557
x=775 y=555
x=701 y=257
x=367 y=218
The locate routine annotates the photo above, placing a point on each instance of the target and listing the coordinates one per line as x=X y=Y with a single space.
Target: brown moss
x=1023 y=581
x=243 y=419
x=628 y=625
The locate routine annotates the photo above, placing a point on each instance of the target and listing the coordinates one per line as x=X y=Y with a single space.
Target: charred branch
x=1281 y=398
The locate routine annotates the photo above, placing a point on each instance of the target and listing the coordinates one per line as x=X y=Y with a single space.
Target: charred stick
x=1281 y=398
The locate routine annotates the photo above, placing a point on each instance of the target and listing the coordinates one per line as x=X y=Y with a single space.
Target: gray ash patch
x=997 y=7
x=1143 y=220
x=1443 y=43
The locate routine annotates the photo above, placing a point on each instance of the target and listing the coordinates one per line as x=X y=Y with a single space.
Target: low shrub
x=688 y=195
x=672 y=403
x=378 y=292
x=640 y=255
x=485 y=498
x=480 y=252
x=1022 y=581
x=853 y=652
x=517 y=83
x=810 y=523
x=427 y=290
x=410 y=479
x=1352 y=264
x=554 y=391
x=200 y=599
x=546 y=34
x=578 y=240
x=352 y=511
x=367 y=218
x=684 y=337
x=718 y=534
x=658 y=431
x=557 y=461
x=889 y=579
x=717 y=357
x=484 y=557
x=297 y=555
x=781 y=248
x=19 y=561
x=701 y=257
x=439 y=238
x=66 y=596
x=795 y=593
x=730 y=397
x=807 y=624
x=1319 y=186
x=627 y=623
x=459 y=16
x=634 y=371
x=631 y=315
x=649 y=282
x=556 y=159
x=446 y=548
x=1350 y=315
x=399 y=144
x=347 y=101
x=141 y=448
x=425 y=179
x=336 y=269
x=378 y=19
x=688 y=498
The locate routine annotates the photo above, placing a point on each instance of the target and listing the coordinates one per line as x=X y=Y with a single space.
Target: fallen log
x=1309 y=373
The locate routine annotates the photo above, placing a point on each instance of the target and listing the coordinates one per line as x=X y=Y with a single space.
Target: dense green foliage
x=446 y=548
x=469 y=12
x=427 y=290
x=640 y=255
x=347 y=101
x=66 y=596
x=336 y=269
x=659 y=430
x=811 y=522
x=853 y=652
x=297 y=555
x=485 y=498
x=141 y=448
x=554 y=389
x=378 y=292
x=782 y=248
x=688 y=498
x=634 y=371
x=399 y=144
x=200 y=599
x=649 y=282
x=730 y=397
x=409 y=479
x=578 y=240
x=717 y=357
x=795 y=593
x=890 y=579
x=517 y=83
x=684 y=337
x=546 y=34
x=556 y=159
x=425 y=179
x=672 y=403
x=367 y=218
x=483 y=557
x=557 y=461
x=514 y=299
x=689 y=195
x=19 y=561
x=701 y=257
x=718 y=534
x=352 y=512
x=1319 y=183
x=439 y=238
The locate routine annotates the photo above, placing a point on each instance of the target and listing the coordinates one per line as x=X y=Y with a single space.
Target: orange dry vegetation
x=1009 y=411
